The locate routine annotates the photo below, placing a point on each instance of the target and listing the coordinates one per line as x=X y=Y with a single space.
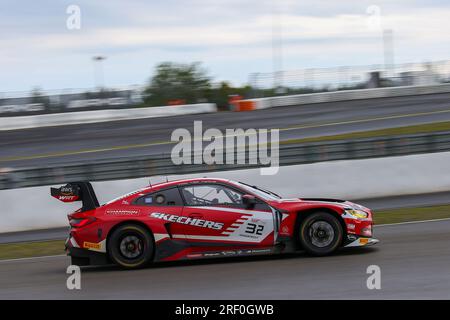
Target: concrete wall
x=60 y=119
x=344 y=95
x=33 y=208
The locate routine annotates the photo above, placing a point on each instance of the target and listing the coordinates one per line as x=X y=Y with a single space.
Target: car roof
x=171 y=183
x=166 y=184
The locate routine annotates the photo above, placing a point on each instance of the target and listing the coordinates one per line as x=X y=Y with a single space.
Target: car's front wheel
x=320 y=234
x=131 y=246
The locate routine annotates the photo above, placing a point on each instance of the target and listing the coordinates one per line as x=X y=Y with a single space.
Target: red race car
x=205 y=218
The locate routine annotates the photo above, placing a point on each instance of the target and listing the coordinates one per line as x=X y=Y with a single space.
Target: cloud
x=232 y=37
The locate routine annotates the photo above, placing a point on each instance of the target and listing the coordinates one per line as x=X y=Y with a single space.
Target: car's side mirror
x=249 y=201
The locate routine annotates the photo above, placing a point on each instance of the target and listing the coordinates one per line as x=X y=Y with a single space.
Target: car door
x=164 y=204
x=215 y=214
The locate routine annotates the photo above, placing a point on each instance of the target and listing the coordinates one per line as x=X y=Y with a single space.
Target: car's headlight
x=356 y=213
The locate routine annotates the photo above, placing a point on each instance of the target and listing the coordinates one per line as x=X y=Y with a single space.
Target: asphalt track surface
x=404 y=201
x=413 y=258
x=88 y=142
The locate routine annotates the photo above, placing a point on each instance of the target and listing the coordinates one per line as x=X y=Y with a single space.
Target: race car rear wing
x=77 y=191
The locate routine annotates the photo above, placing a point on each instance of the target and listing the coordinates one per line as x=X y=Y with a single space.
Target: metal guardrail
x=290 y=154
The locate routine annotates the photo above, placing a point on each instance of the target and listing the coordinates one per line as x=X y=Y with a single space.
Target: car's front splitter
x=362 y=242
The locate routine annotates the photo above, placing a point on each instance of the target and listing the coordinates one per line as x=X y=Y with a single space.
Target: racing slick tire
x=320 y=234
x=131 y=246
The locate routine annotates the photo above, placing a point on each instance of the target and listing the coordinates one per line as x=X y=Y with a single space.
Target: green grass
x=31 y=249
x=56 y=247
x=411 y=214
x=421 y=128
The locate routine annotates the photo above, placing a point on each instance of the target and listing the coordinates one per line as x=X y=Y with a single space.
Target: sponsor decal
x=260 y=251
x=229 y=253
x=68 y=198
x=92 y=245
x=66 y=190
x=233 y=253
x=67 y=193
x=119 y=212
x=248 y=236
x=257 y=220
x=187 y=220
x=350 y=226
x=212 y=254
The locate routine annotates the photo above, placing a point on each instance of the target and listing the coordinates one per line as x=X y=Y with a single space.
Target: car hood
x=318 y=202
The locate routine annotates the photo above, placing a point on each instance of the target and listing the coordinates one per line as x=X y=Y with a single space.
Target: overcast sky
x=232 y=38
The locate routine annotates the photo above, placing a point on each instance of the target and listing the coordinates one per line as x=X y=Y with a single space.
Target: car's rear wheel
x=320 y=234
x=131 y=246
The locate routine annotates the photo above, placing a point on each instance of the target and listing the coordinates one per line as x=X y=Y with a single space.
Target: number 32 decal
x=253 y=228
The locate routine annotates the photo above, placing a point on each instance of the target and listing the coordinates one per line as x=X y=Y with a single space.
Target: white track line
x=32 y=258
x=410 y=222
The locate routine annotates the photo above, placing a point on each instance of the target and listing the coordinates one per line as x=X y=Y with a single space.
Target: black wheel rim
x=131 y=246
x=321 y=234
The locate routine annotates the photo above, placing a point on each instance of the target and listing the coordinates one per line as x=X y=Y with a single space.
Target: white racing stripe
x=33 y=258
x=410 y=222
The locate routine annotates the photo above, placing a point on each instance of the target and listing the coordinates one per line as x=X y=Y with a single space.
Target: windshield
x=260 y=192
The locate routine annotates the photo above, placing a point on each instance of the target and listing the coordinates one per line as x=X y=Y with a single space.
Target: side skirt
x=171 y=250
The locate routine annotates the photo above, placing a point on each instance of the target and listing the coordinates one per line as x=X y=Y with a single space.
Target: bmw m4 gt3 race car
x=204 y=218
